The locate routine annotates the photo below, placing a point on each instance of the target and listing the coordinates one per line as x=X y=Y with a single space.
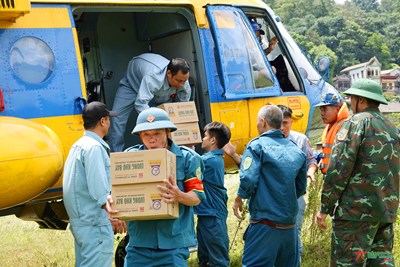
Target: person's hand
x=238 y=207
x=169 y=190
x=230 y=149
x=272 y=43
x=320 y=220
x=108 y=207
x=118 y=226
x=311 y=176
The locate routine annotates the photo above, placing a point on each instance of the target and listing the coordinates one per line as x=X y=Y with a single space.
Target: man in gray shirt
x=150 y=80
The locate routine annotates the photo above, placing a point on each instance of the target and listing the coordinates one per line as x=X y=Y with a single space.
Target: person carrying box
x=166 y=241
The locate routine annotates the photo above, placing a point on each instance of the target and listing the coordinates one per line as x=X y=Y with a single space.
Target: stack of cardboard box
x=184 y=116
x=134 y=179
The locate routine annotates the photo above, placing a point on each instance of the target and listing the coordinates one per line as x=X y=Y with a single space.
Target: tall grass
x=23 y=244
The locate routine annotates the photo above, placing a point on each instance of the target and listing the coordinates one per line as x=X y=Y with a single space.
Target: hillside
x=348 y=33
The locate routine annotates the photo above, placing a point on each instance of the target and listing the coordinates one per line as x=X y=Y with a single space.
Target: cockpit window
x=32 y=60
x=244 y=66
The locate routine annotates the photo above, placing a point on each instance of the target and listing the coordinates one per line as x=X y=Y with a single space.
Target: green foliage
x=367 y=5
x=390 y=5
x=394 y=118
x=390 y=98
x=316 y=242
x=24 y=244
x=353 y=32
x=321 y=51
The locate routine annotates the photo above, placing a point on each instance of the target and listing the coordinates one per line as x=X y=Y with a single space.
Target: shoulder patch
x=342 y=134
x=247 y=163
x=198 y=173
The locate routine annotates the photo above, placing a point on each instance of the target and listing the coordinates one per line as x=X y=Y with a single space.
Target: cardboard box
x=187 y=133
x=142 y=166
x=181 y=112
x=142 y=202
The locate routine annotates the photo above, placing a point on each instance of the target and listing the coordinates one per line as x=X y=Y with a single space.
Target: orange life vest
x=328 y=137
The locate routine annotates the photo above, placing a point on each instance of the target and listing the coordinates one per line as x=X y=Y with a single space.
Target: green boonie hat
x=153 y=119
x=367 y=88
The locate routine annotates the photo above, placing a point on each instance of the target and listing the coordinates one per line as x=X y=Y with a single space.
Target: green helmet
x=153 y=119
x=367 y=88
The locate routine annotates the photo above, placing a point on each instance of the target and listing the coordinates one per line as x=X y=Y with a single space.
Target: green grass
x=23 y=244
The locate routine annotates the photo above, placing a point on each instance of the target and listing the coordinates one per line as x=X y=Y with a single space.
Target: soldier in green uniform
x=361 y=187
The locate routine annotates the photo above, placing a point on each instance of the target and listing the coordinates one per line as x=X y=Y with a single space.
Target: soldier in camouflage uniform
x=361 y=187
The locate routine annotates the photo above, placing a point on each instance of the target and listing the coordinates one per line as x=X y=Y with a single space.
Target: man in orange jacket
x=333 y=113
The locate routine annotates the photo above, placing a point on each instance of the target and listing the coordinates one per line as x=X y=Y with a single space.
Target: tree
x=367 y=5
x=390 y=5
x=354 y=31
x=376 y=47
x=320 y=51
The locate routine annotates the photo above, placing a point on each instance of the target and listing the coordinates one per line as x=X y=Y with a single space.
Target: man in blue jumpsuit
x=166 y=242
x=150 y=80
x=272 y=177
x=86 y=190
x=212 y=232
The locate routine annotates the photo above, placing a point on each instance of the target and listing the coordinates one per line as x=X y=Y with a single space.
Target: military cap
x=153 y=119
x=367 y=88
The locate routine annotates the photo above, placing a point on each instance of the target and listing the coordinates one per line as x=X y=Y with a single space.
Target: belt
x=277 y=225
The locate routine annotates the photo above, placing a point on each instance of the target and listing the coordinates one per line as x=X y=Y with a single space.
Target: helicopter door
x=41 y=74
x=245 y=71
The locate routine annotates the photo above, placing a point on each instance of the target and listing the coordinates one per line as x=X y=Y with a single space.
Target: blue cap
x=330 y=99
x=153 y=119
x=256 y=27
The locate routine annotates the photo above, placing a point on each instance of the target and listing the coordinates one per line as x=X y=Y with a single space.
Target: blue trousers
x=213 y=241
x=265 y=246
x=94 y=245
x=301 y=202
x=124 y=103
x=149 y=257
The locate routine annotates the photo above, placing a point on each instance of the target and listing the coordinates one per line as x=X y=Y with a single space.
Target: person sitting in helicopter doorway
x=150 y=80
x=212 y=232
x=278 y=64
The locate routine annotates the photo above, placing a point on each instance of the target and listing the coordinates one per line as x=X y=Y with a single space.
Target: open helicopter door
x=244 y=68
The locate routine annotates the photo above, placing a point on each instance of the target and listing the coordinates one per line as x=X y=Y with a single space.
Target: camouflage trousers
x=356 y=243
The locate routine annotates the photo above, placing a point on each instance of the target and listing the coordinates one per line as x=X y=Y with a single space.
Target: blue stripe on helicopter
x=29 y=96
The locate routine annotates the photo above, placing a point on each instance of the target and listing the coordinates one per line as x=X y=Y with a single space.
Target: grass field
x=23 y=244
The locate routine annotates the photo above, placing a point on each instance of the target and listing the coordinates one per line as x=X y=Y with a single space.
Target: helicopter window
x=277 y=58
x=32 y=60
x=261 y=74
x=245 y=69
